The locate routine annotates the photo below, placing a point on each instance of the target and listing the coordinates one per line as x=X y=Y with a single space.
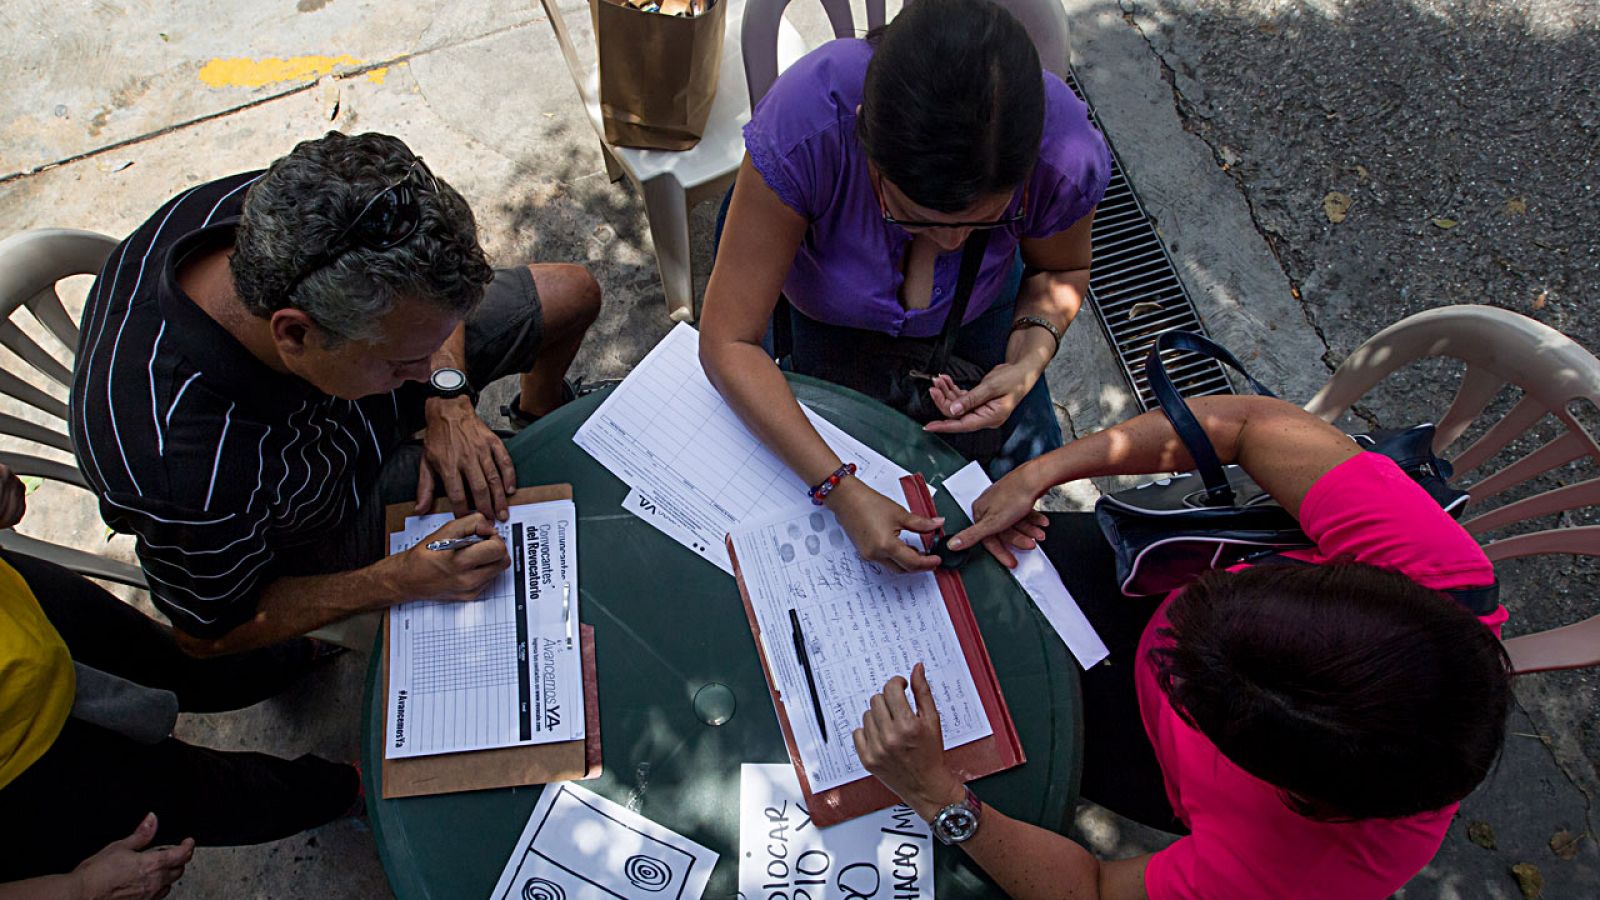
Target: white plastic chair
x=673 y=181
x=1553 y=372
x=1045 y=21
x=31 y=265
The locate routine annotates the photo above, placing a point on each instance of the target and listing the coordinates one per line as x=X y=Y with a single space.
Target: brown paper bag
x=658 y=73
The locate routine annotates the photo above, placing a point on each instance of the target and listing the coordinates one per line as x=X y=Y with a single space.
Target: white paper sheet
x=695 y=469
x=862 y=625
x=888 y=853
x=503 y=670
x=1037 y=577
x=578 y=845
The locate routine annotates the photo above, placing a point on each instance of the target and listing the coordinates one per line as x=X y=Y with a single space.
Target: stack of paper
x=579 y=845
x=500 y=671
x=886 y=854
x=858 y=625
x=695 y=469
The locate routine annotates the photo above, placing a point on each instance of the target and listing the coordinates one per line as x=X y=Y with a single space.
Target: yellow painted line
x=243 y=72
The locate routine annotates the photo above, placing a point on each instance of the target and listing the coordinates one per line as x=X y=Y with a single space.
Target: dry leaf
x=1139 y=309
x=1529 y=880
x=1516 y=206
x=328 y=95
x=1336 y=206
x=1481 y=833
x=1565 y=844
x=1362 y=173
x=1541 y=299
x=1444 y=223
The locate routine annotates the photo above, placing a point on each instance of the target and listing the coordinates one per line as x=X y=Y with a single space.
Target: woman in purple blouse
x=868 y=165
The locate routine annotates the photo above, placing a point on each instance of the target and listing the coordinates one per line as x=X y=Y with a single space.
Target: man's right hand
x=125 y=870
x=424 y=574
x=874 y=523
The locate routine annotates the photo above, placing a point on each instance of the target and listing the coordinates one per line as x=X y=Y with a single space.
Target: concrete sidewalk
x=115 y=108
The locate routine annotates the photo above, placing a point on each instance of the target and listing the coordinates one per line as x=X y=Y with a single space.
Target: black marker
x=811 y=678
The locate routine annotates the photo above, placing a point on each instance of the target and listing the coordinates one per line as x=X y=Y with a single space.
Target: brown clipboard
x=449 y=773
x=999 y=751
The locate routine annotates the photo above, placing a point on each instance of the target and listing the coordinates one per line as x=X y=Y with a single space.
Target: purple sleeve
x=796 y=133
x=1074 y=165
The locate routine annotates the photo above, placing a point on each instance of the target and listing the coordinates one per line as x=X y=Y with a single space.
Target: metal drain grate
x=1135 y=291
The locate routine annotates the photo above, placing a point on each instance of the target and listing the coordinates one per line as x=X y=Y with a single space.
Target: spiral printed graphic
x=540 y=889
x=647 y=873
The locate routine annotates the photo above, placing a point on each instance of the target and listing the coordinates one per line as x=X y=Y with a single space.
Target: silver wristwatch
x=958 y=822
x=447 y=383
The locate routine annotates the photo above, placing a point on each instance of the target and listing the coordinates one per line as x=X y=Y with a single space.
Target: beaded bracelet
x=823 y=489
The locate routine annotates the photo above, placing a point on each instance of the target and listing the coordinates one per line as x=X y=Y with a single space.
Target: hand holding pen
x=473 y=555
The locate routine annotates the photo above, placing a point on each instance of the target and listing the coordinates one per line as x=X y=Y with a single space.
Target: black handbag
x=897 y=371
x=1167 y=532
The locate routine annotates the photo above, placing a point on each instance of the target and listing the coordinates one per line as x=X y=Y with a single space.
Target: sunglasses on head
x=387 y=220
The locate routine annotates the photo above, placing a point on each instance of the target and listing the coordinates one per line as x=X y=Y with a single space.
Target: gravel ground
x=1462 y=136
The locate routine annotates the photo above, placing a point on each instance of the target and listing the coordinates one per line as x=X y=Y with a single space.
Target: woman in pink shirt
x=1308 y=729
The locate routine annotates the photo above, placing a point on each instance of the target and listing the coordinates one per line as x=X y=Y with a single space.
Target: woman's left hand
x=904 y=748
x=987 y=405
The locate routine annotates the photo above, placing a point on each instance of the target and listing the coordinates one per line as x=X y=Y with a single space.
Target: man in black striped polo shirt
x=259 y=352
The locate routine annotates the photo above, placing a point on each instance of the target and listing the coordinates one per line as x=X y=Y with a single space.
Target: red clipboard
x=999 y=751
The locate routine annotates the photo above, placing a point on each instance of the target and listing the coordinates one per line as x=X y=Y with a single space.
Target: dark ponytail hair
x=1357 y=692
x=953 y=105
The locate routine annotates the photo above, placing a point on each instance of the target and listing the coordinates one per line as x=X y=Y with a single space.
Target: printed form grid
x=679 y=411
x=453 y=709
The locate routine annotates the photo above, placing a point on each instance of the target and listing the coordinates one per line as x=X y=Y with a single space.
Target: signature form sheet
x=695 y=469
x=860 y=626
x=499 y=671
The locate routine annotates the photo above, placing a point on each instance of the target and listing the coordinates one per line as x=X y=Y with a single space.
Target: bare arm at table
x=1284 y=448
x=904 y=748
x=294 y=605
x=758 y=247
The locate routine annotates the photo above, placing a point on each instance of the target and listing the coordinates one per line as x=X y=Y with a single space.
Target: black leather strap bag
x=898 y=371
x=1169 y=531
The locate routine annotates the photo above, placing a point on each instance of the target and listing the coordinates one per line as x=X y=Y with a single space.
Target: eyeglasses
x=987 y=225
x=387 y=220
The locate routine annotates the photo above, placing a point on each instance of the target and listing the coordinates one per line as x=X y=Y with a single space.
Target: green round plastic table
x=666 y=624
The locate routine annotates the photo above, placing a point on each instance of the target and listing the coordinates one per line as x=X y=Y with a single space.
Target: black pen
x=811 y=678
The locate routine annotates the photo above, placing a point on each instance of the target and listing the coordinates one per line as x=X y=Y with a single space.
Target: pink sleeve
x=1187 y=870
x=1367 y=510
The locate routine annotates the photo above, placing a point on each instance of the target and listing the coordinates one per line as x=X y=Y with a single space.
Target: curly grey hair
x=308 y=197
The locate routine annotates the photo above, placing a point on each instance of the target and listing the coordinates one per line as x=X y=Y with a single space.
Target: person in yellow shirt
x=90 y=776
